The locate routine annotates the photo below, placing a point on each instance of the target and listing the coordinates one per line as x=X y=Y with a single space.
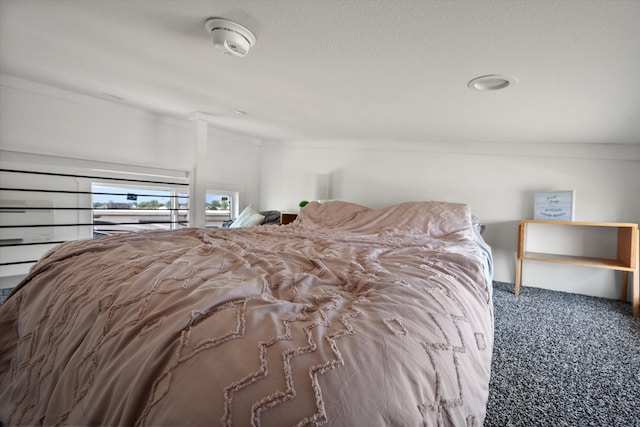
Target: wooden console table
x=625 y=259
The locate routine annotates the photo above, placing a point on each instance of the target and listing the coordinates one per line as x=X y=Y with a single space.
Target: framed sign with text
x=554 y=205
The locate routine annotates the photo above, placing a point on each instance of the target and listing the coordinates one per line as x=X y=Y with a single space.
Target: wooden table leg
x=625 y=281
x=636 y=293
x=518 y=276
x=520 y=256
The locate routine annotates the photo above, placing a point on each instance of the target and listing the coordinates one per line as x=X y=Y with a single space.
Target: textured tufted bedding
x=347 y=317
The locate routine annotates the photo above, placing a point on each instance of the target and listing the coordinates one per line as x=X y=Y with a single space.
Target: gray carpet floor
x=4 y=292
x=563 y=360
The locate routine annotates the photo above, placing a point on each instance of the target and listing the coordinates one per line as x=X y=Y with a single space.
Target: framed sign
x=554 y=205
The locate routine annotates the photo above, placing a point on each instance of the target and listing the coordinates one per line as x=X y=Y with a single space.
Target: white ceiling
x=348 y=70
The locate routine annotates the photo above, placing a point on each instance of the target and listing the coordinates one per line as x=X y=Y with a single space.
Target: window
x=120 y=208
x=220 y=207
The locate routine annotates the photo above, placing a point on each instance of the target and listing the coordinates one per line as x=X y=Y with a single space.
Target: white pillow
x=249 y=221
x=248 y=211
x=248 y=218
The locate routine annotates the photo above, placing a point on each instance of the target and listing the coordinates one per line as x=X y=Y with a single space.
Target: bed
x=349 y=316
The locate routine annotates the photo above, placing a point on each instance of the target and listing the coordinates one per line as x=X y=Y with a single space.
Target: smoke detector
x=229 y=37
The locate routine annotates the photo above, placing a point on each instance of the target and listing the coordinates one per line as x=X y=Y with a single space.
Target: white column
x=323 y=186
x=198 y=196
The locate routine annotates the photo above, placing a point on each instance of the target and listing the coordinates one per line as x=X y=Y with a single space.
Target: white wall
x=40 y=119
x=234 y=164
x=498 y=181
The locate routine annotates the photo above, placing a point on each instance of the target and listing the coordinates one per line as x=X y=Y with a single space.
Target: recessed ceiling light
x=239 y=112
x=491 y=82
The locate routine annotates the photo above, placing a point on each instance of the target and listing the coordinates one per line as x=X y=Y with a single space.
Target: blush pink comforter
x=347 y=317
